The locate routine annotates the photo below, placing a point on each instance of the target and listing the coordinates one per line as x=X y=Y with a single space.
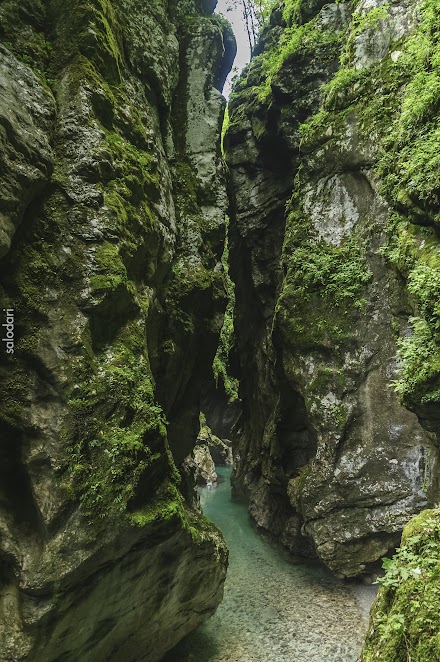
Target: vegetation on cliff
x=325 y=120
x=115 y=261
x=221 y=364
x=111 y=244
x=318 y=272
x=382 y=101
x=405 y=618
x=396 y=101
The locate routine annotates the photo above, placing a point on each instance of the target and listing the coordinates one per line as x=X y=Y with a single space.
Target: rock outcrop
x=113 y=198
x=220 y=449
x=205 y=467
x=209 y=451
x=335 y=256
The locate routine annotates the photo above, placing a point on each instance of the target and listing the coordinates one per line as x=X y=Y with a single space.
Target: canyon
x=298 y=255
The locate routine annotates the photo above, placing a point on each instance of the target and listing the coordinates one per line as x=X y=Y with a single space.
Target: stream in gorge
x=275 y=609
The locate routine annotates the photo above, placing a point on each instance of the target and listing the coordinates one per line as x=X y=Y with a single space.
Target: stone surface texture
x=211 y=451
x=205 y=473
x=113 y=196
x=333 y=463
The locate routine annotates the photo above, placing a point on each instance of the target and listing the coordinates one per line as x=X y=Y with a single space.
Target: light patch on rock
x=395 y=431
x=418 y=457
x=205 y=469
x=332 y=210
x=329 y=400
x=372 y=45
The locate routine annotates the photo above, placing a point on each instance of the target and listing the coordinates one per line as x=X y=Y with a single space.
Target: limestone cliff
x=112 y=229
x=333 y=150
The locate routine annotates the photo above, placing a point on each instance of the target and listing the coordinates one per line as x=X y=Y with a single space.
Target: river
x=274 y=609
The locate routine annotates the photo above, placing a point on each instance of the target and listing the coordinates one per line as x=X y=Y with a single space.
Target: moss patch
x=405 y=618
x=395 y=102
x=323 y=286
x=119 y=431
x=220 y=366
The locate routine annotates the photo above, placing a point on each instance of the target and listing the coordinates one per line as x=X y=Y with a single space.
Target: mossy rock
x=405 y=618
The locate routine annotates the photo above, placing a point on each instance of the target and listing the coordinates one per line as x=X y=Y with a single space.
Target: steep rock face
x=332 y=461
x=111 y=234
x=27 y=110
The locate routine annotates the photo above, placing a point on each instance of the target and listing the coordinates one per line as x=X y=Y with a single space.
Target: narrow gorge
x=183 y=288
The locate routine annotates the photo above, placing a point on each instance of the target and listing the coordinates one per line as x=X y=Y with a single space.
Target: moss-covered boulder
x=405 y=618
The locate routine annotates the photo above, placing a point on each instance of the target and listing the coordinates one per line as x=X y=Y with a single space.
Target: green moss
x=405 y=618
x=225 y=127
x=339 y=415
x=194 y=277
x=186 y=188
x=168 y=505
x=39 y=268
x=323 y=286
x=39 y=259
x=89 y=28
x=345 y=88
x=115 y=432
x=119 y=429
x=113 y=445
x=419 y=373
x=363 y=22
x=135 y=179
x=296 y=40
x=113 y=449
x=302 y=40
x=220 y=366
x=415 y=252
x=411 y=163
x=113 y=271
x=16 y=395
x=297 y=484
x=396 y=102
x=325 y=379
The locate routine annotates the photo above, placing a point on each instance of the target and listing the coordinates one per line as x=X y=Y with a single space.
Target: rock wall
x=113 y=198
x=335 y=256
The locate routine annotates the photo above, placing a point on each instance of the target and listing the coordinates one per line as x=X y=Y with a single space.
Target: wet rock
x=220 y=449
x=116 y=282
x=332 y=463
x=205 y=472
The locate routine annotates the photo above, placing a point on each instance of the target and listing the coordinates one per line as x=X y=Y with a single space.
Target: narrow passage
x=274 y=610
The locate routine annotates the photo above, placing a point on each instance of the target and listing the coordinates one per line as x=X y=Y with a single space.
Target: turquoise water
x=273 y=610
